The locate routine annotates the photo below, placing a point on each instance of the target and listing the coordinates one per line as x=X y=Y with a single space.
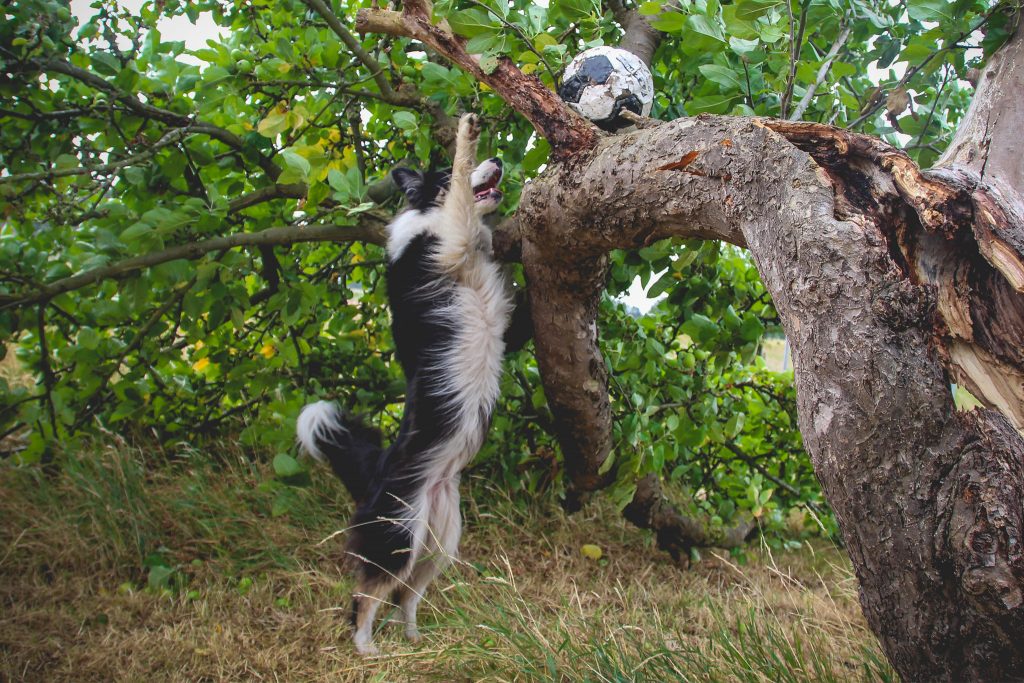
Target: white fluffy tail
x=317 y=427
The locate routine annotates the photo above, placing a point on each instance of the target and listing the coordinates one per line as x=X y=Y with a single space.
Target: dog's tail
x=351 y=448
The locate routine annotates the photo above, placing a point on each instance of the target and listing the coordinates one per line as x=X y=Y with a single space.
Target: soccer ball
x=602 y=81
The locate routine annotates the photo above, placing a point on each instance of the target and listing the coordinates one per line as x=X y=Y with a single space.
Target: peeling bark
x=951 y=232
x=929 y=500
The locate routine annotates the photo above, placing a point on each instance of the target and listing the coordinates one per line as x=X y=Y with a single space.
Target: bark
x=889 y=281
x=678 y=533
x=565 y=130
x=929 y=499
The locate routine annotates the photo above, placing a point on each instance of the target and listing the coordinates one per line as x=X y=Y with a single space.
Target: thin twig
x=805 y=101
x=522 y=36
x=872 y=108
x=169 y=138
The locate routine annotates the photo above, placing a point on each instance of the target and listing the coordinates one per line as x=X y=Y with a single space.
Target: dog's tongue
x=482 y=191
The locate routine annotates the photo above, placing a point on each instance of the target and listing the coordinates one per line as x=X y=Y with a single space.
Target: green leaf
x=296 y=168
x=489 y=62
x=721 y=75
x=483 y=42
x=669 y=22
x=712 y=104
x=472 y=22
x=930 y=10
x=749 y=10
x=752 y=329
x=105 y=63
x=286 y=466
x=135 y=231
x=743 y=47
x=405 y=120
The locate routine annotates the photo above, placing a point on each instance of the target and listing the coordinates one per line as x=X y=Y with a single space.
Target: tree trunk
x=929 y=499
x=890 y=282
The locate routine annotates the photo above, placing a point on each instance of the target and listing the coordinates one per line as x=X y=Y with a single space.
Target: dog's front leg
x=460 y=233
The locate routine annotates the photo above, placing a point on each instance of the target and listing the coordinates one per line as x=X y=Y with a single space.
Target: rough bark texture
x=951 y=231
x=564 y=297
x=930 y=500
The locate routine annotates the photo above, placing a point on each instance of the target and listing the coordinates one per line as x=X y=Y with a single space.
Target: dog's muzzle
x=485 y=181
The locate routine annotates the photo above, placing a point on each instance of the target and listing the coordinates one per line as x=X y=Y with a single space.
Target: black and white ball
x=602 y=81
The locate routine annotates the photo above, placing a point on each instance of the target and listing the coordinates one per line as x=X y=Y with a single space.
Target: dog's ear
x=409 y=181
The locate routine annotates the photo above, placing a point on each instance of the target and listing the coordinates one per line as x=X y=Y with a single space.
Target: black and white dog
x=450 y=307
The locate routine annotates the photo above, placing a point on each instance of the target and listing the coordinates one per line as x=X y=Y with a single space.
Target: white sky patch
x=636 y=296
x=171 y=28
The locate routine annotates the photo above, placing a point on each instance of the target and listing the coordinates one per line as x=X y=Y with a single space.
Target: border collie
x=450 y=307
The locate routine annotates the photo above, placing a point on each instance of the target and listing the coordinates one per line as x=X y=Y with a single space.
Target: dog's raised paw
x=469 y=126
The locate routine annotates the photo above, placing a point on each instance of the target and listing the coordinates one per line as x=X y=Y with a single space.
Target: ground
x=155 y=565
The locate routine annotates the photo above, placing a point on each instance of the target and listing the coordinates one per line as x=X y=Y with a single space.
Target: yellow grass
x=266 y=598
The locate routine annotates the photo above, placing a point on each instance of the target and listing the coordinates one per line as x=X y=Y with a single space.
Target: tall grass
x=257 y=596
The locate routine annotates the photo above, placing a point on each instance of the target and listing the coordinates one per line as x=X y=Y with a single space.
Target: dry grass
x=261 y=598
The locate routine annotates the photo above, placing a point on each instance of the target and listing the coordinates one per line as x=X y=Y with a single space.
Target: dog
x=450 y=307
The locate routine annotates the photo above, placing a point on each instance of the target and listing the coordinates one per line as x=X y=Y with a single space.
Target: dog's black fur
x=426 y=321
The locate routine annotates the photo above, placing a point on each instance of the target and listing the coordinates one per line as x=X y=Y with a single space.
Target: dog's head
x=424 y=191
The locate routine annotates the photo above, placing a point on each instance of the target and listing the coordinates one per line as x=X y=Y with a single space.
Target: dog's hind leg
x=369 y=596
x=412 y=594
x=442 y=543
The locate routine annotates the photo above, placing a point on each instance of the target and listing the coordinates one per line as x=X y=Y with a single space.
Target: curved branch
x=566 y=131
x=168 y=138
x=370 y=229
x=849 y=238
x=678 y=533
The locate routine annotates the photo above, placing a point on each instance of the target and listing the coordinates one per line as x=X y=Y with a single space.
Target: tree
x=890 y=281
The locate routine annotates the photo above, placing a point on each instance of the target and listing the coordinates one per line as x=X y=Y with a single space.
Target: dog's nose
x=496 y=161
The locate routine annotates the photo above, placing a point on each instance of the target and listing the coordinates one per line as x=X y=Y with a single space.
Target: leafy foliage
x=126 y=156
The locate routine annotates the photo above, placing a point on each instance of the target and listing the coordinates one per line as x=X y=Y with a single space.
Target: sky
x=173 y=28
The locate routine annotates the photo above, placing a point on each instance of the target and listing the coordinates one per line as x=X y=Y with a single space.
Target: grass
x=128 y=565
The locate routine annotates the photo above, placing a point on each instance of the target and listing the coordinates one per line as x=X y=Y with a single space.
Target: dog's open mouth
x=488 y=189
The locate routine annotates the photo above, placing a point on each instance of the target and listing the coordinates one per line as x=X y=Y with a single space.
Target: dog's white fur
x=479 y=311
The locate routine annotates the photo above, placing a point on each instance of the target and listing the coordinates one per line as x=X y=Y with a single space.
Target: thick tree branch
x=988 y=142
x=850 y=241
x=970 y=252
x=639 y=37
x=564 y=297
x=370 y=229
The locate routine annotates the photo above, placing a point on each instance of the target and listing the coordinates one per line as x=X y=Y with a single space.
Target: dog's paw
x=469 y=126
x=412 y=634
x=367 y=649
